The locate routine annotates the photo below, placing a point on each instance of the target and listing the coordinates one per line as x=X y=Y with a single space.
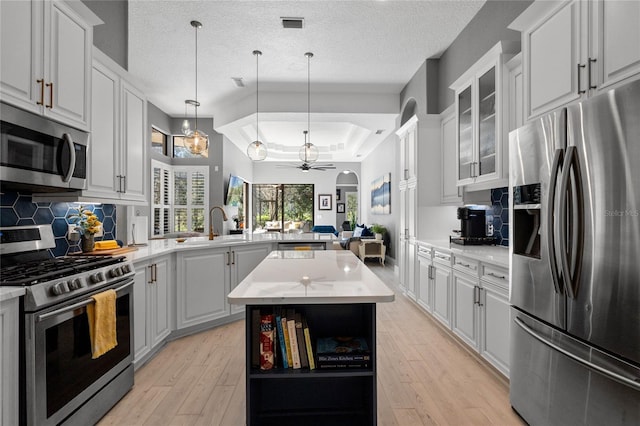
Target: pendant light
x=197 y=142
x=309 y=152
x=186 y=126
x=257 y=151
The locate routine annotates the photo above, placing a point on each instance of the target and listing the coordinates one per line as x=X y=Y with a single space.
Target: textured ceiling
x=366 y=46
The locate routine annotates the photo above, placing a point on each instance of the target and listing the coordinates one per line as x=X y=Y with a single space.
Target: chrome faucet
x=224 y=217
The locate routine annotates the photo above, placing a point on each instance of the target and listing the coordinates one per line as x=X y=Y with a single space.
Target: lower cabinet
x=152 y=311
x=9 y=362
x=425 y=282
x=442 y=282
x=495 y=322
x=206 y=276
x=465 y=314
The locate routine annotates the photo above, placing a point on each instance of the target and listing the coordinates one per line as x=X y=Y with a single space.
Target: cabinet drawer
x=425 y=252
x=442 y=257
x=495 y=274
x=466 y=265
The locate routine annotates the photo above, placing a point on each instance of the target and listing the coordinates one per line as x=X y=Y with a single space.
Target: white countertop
x=166 y=246
x=496 y=255
x=8 y=293
x=307 y=277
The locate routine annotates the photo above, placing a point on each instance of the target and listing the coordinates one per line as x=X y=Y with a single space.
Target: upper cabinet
x=481 y=147
x=575 y=49
x=45 y=58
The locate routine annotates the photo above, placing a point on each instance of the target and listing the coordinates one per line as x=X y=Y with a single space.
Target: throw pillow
x=358 y=231
x=366 y=232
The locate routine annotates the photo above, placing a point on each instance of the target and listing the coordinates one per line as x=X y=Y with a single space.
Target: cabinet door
x=9 y=362
x=103 y=150
x=134 y=162
x=141 y=337
x=67 y=60
x=465 y=317
x=442 y=294
x=465 y=150
x=160 y=321
x=553 y=52
x=495 y=325
x=449 y=192
x=411 y=269
x=515 y=93
x=486 y=163
x=203 y=285
x=21 y=54
x=615 y=39
x=243 y=261
x=424 y=283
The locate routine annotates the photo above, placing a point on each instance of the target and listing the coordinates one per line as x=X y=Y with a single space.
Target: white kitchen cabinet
x=466 y=300
x=450 y=192
x=206 y=276
x=46 y=58
x=243 y=261
x=515 y=91
x=442 y=282
x=481 y=147
x=117 y=146
x=424 y=279
x=495 y=322
x=9 y=362
x=575 y=49
x=152 y=305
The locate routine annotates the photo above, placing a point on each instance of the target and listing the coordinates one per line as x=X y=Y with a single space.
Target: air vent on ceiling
x=292 y=22
x=238 y=81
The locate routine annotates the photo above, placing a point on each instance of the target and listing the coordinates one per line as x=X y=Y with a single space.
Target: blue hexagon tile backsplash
x=18 y=209
x=500 y=204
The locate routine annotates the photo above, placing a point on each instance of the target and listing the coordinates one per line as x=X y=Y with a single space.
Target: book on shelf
x=302 y=347
x=281 y=339
x=255 y=338
x=287 y=341
x=291 y=326
x=343 y=352
x=266 y=342
x=307 y=341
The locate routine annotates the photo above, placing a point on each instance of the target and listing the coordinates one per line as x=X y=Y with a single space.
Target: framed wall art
x=324 y=202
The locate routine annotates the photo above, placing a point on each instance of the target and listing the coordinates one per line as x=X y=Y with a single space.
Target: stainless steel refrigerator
x=575 y=263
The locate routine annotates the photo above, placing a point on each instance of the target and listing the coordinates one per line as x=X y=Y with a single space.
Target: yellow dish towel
x=102 y=323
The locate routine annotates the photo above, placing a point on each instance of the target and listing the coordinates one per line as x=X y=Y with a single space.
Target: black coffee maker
x=476 y=227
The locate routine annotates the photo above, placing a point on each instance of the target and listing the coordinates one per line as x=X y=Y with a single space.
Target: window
x=180 y=198
x=180 y=151
x=158 y=141
x=283 y=207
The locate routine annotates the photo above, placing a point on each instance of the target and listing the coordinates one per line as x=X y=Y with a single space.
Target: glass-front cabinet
x=481 y=146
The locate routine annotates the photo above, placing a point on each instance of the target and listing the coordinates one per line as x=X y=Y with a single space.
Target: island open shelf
x=337 y=295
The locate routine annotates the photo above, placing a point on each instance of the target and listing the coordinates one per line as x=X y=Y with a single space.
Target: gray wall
x=112 y=37
x=485 y=29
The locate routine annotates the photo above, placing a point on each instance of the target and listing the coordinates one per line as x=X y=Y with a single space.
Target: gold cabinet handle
x=41 y=83
x=50 y=104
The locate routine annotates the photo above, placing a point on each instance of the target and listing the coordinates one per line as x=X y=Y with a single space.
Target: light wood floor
x=424 y=377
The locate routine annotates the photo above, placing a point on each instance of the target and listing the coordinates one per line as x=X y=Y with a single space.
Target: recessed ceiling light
x=346 y=172
x=237 y=81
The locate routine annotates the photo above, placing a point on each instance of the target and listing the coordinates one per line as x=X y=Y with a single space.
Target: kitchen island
x=337 y=295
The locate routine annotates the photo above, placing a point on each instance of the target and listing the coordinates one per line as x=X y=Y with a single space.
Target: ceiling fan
x=305 y=167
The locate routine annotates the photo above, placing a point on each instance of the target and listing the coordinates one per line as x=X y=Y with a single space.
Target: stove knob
x=60 y=288
x=96 y=278
x=115 y=272
x=126 y=268
x=76 y=283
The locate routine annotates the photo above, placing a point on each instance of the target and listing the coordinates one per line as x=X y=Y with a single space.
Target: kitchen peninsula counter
x=336 y=295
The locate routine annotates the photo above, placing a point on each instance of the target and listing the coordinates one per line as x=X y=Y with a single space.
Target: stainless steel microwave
x=40 y=154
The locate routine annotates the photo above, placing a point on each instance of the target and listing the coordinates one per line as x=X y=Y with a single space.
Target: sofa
x=350 y=240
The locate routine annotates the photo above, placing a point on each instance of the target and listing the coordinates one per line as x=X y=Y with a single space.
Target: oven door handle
x=76 y=305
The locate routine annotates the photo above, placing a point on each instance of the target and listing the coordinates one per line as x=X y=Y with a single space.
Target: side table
x=372 y=248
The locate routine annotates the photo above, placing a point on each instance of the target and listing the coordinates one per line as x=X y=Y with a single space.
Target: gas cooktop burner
x=37 y=271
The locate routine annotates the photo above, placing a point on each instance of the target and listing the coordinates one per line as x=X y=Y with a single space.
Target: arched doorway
x=347 y=208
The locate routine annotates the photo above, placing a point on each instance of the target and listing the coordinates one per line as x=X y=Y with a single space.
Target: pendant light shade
x=308 y=153
x=196 y=142
x=257 y=151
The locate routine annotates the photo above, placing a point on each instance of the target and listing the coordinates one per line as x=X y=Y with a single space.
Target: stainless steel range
x=60 y=383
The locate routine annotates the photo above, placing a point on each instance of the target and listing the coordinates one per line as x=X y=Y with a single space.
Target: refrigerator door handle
x=634 y=384
x=555 y=170
x=570 y=252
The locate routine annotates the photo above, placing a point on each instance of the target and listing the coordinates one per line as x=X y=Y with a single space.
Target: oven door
x=60 y=373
